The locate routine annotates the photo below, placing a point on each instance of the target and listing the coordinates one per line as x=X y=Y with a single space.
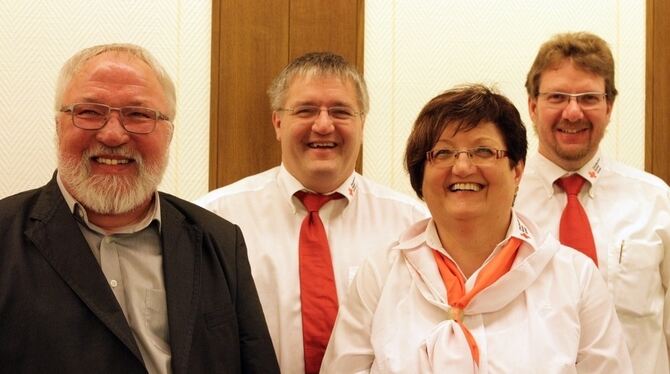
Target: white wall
x=36 y=37
x=414 y=49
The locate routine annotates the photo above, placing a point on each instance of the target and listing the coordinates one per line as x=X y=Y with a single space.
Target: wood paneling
x=326 y=26
x=251 y=42
x=657 y=128
x=249 y=47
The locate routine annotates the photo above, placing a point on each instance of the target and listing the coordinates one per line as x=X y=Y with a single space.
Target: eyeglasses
x=480 y=156
x=134 y=119
x=312 y=112
x=585 y=100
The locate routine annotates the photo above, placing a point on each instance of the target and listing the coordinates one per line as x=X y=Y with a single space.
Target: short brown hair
x=467 y=106
x=588 y=51
x=318 y=64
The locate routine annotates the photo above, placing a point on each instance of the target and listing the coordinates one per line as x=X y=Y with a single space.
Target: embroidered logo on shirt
x=595 y=170
x=522 y=229
x=353 y=187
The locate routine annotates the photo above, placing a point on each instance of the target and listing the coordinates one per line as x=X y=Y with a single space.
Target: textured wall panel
x=416 y=49
x=37 y=37
x=413 y=50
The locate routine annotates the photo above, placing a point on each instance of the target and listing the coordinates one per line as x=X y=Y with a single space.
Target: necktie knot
x=572 y=184
x=313 y=202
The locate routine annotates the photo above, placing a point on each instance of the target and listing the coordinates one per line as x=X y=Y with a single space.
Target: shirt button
x=113 y=283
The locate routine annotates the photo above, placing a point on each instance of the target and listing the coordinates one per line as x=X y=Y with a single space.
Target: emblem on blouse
x=352 y=187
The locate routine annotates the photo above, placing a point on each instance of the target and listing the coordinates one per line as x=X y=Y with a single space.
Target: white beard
x=110 y=194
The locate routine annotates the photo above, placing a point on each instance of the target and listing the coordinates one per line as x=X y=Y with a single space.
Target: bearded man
x=615 y=214
x=100 y=272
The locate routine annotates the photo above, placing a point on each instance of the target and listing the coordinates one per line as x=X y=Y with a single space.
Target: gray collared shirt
x=131 y=259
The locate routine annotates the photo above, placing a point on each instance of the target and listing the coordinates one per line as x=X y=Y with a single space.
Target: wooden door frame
x=657 y=102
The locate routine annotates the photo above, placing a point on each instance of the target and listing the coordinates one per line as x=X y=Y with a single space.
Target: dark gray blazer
x=58 y=314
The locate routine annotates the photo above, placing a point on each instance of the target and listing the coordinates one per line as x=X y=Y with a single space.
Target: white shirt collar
x=289 y=185
x=549 y=172
x=425 y=232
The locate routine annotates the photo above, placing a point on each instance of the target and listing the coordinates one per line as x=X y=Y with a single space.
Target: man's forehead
x=568 y=63
x=316 y=76
x=114 y=59
x=321 y=84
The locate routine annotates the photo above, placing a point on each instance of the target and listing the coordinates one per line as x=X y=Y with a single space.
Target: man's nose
x=573 y=111
x=113 y=133
x=322 y=123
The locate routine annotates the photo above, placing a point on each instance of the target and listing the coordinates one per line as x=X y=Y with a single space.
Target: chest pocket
x=634 y=277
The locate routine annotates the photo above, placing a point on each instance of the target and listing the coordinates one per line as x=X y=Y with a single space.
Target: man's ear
x=171 y=133
x=610 y=105
x=532 y=108
x=276 y=123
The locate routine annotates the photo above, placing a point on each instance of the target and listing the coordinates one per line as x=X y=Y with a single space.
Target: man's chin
x=324 y=169
x=573 y=152
x=110 y=194
x=114 y=195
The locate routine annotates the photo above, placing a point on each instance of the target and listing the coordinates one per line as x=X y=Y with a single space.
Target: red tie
x=318 y=295
x=575 y=230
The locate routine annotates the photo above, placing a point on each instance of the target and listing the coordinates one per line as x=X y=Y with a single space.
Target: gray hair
x=76 y=62
x=318 y=64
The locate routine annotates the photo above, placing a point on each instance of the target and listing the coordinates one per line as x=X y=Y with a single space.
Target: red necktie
x=575 y=230
x=318 y=295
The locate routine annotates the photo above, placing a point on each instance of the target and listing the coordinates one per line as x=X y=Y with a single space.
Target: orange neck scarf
x=455 y=284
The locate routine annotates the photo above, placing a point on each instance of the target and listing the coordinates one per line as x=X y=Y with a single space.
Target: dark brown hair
x=466 y=106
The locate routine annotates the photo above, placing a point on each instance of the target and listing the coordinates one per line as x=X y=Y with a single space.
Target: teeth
x=110 y=161
x=571 y=131
x=465 y=187
x=321 y=145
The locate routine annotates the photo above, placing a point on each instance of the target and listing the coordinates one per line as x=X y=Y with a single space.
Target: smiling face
x=466 y=191
x=110 y=170
x=570 y=136
x=321 y=153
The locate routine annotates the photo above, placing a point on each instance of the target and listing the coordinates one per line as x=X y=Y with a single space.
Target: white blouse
x=551 y=313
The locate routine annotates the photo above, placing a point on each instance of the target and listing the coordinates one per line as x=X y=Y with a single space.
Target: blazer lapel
x=182 y=244
x=52 y=222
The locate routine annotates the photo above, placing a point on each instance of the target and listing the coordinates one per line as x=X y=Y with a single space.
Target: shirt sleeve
x=664 y=233
x=602 y=347
x=350 y=347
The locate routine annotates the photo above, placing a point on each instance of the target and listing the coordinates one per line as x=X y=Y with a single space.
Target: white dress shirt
x=549 y=314
x=629 y=213
x=370 y=216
